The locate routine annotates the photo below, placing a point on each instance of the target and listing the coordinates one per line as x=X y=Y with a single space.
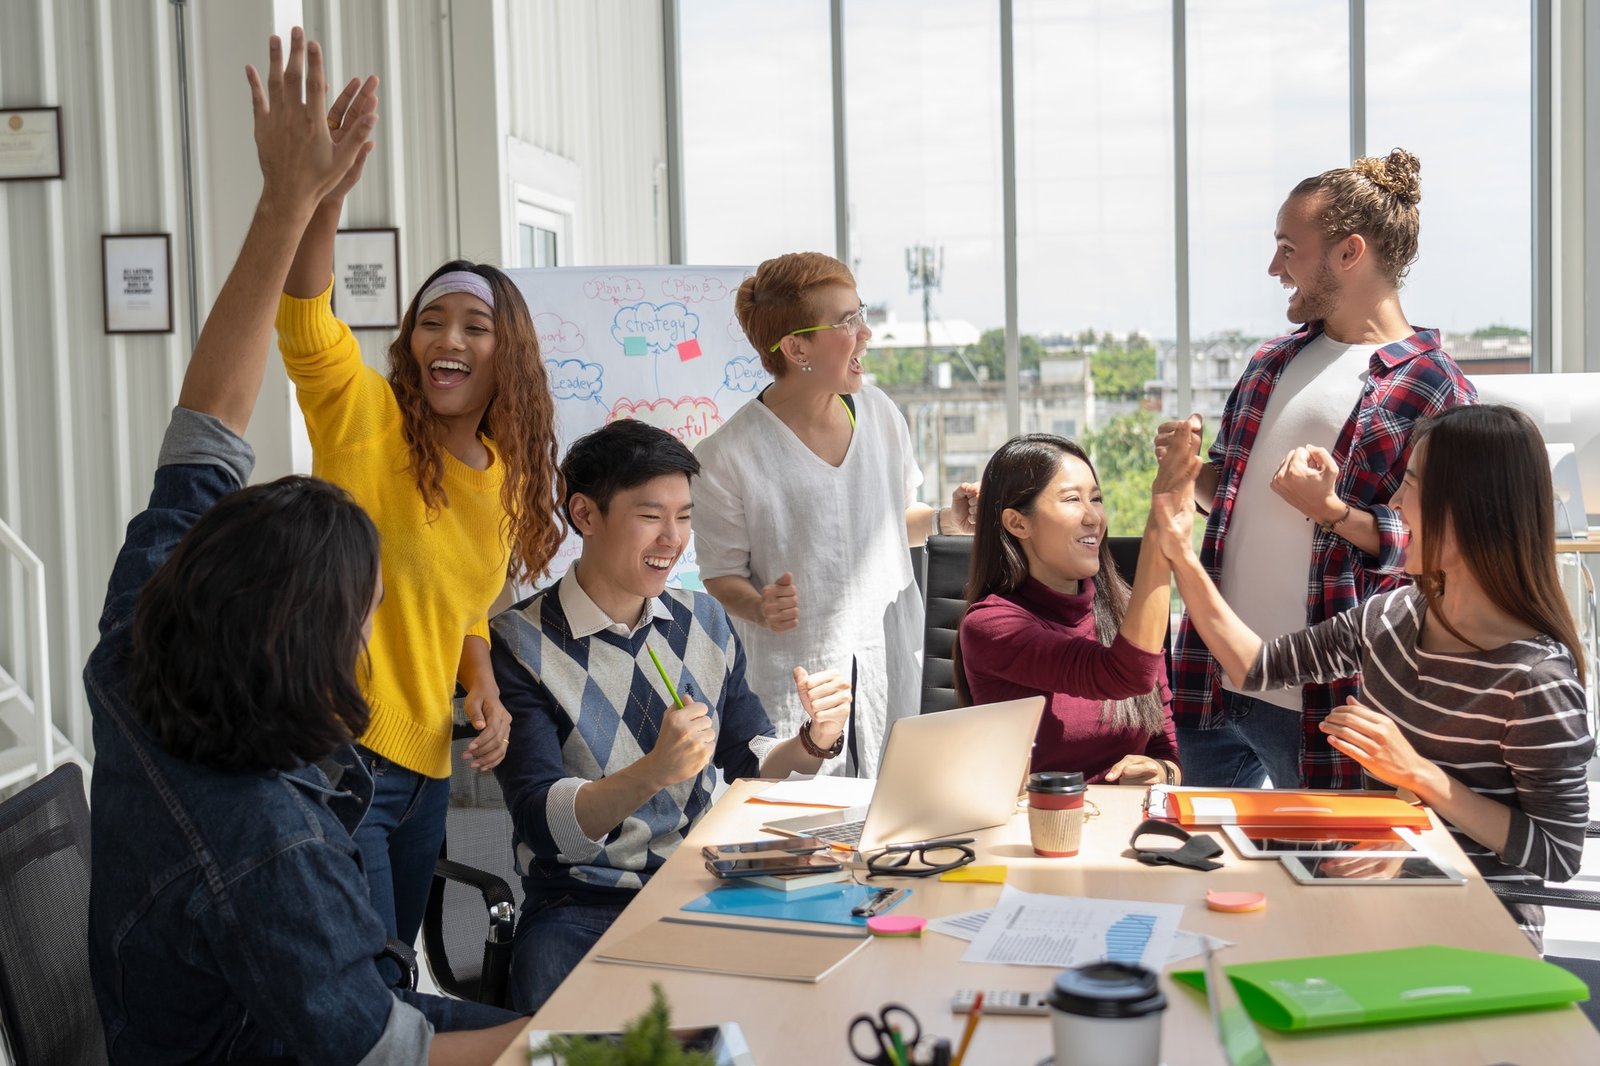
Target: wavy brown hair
x=520 y=420
x=1377 y=198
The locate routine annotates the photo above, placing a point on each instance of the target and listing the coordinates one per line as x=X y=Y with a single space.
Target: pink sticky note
x=689 y=349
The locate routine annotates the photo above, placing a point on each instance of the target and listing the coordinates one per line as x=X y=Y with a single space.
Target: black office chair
x=47 y=1004
x=472 y=905
x=944 y=603
x=1586 y=970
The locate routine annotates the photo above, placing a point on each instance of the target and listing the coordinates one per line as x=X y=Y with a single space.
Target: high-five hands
x=964 y=508
x=687 y=741
x=358 y=99
x=1172 y=493
x=825 y=698
x=780 y=604
x=300 y=160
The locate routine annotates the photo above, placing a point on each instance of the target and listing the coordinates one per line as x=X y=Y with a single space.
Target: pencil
x=972 y=1023
x=899 y=1046
x=677 y=701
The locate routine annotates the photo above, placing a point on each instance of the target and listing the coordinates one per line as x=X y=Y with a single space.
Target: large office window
x=1451 y=81
x=1267 y=102
x=922 y=111
x=757 y=92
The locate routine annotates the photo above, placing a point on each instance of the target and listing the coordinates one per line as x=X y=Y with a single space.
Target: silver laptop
x=942 y=775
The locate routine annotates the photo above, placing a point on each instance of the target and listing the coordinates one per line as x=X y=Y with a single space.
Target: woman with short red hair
x=805 y=511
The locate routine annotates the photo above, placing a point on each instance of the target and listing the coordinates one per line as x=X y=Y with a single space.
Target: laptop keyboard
x=843 y=833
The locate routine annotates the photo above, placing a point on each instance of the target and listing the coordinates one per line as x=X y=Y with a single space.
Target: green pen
x=677 y=701
x=899 y=1045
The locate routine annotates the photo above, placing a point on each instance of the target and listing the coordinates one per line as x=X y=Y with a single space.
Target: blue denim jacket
x=229 y=916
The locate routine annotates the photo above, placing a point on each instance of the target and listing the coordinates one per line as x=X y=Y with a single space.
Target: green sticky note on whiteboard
x=634 y=346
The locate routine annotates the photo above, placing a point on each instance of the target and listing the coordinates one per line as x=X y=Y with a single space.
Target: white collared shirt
x=585 y=618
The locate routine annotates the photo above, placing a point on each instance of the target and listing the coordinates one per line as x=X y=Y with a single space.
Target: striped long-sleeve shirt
x=1509 y=723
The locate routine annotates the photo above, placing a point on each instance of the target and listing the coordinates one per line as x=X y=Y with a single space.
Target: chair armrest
x=493 y=889
x=1576 y=898
x=406 y=959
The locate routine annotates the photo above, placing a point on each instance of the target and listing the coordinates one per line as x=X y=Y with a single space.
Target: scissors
x=881 y=1045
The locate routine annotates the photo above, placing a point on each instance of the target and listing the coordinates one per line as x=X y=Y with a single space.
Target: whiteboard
x=656 y=343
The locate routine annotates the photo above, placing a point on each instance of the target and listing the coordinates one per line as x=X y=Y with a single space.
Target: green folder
x=1400 y=985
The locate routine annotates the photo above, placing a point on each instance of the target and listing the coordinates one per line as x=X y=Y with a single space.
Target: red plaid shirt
x=1407 y=380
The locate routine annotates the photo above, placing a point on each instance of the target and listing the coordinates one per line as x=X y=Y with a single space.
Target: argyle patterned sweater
x=584 y=708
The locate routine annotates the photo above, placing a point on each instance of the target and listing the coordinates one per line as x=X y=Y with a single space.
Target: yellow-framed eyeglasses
x=855 y=322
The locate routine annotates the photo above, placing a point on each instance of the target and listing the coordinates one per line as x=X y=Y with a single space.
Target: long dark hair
x=1016 y=474
x=1486 y=477
x=247 y=639
x=520 y=420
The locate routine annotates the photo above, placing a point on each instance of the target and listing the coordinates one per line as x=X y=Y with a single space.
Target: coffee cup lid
x=1108 y=990
x=1056 y=781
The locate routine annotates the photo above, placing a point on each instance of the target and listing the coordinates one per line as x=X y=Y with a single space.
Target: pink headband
x=457 y=281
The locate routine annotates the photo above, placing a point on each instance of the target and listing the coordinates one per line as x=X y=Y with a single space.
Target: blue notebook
x=827 y=904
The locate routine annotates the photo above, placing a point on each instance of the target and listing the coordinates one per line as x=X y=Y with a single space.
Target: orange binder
x=1281 y=807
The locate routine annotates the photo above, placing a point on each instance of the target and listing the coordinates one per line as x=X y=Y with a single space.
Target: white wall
x=81 y=413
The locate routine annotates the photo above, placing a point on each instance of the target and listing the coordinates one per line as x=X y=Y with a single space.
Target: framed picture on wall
x=137 y=270
x=366 y=277
x=30 y=143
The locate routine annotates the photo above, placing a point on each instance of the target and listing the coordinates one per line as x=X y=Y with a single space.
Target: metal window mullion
x=1358 y=78
x=1180 y=202
x=1543 y=189
x=672 y=77
x=1008 y=224
x=841 y=171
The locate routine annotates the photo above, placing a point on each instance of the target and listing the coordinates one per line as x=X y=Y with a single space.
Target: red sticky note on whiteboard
x=689 y=349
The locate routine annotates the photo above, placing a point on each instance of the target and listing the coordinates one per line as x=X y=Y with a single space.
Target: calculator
x=1000 y=1001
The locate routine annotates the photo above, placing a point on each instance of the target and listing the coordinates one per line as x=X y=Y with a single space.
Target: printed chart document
x=1038 y=929
x=969 y=924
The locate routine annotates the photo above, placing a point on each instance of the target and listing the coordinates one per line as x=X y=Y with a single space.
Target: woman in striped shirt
x=1472 y=695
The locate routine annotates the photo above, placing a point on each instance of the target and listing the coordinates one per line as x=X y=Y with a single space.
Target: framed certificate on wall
x=137 y=271
x=366 y=277
x=30 y=143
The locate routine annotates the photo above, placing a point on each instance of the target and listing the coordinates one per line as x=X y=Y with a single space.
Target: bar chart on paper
x=1037 y=929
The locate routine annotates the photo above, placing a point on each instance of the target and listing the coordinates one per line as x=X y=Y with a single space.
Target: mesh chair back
x=47 y=1003
x=945 y=602
x=477 y=834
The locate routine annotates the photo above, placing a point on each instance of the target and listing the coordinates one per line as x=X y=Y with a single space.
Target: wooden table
x=798 y=1023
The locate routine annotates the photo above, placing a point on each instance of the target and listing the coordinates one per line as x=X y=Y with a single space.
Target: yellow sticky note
x=977 y=875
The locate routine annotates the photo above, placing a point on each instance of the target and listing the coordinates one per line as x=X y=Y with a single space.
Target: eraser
x=896 y=925
x=1236 y=902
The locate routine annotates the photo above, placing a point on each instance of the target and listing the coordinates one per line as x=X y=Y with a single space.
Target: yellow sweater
x=439 y=577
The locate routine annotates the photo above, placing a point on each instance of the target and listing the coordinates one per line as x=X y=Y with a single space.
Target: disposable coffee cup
x=1055 y=812
x=1107 y=1014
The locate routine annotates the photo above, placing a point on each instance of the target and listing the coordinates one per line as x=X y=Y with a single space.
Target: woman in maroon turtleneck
x=1049 y=615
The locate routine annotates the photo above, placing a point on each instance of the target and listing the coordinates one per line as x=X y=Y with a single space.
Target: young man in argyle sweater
x=1313 y=443
x=604 y=776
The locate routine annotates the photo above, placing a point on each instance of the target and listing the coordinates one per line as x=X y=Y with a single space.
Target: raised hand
x=825 y=697
x=780 y=604
x=964 y=507
x=1178 y=456
x=300 y=162
x=358 y=99
x=686 y=743
x=1306 y=479
x=1172 y=523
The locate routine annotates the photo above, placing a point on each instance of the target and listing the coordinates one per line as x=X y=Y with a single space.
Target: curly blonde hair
x=1376 y=198
x=520 y=420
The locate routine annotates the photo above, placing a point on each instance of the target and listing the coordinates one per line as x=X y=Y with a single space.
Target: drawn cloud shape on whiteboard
x=557 y=336
x=614 y=288
x=663 y=326
x=744 y=374
x=689 y=418
x=573 y=379
x=736 y=332
x=693 y=287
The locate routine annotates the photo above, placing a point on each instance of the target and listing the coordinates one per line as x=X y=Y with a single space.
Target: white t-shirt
x=1267 y=562
x=764 y=504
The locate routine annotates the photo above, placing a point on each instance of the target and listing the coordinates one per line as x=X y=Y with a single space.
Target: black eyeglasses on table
x=922 y=858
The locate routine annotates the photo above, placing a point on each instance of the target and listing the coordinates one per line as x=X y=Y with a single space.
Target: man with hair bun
x=1325 y=414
